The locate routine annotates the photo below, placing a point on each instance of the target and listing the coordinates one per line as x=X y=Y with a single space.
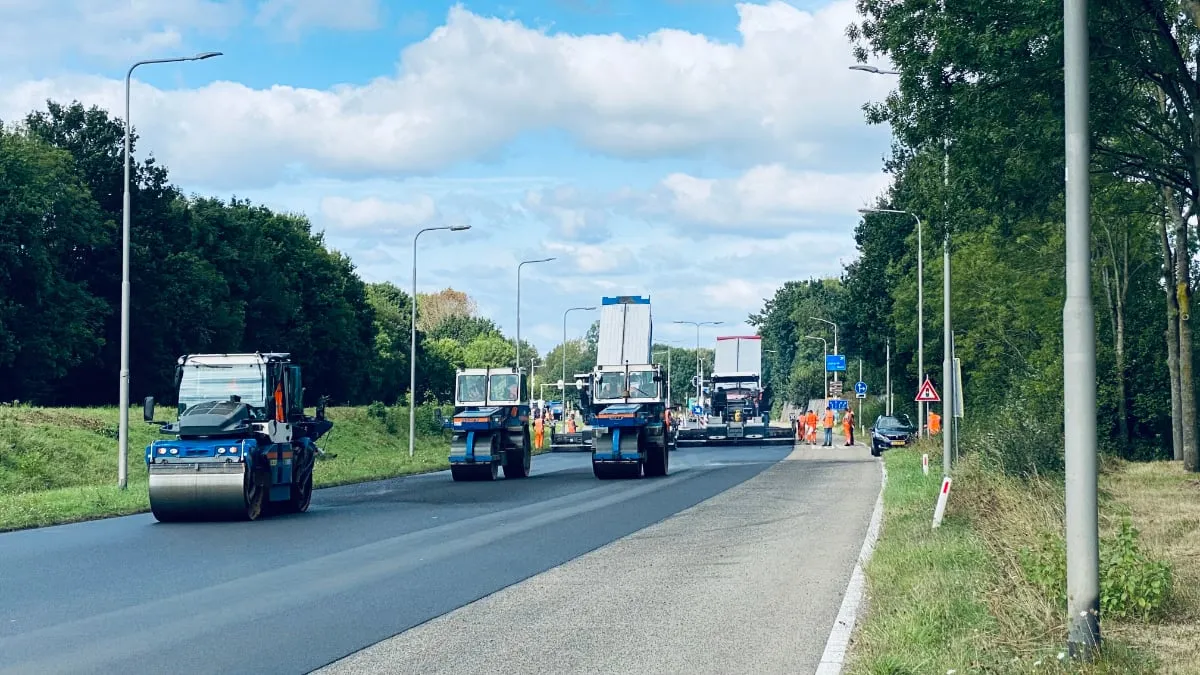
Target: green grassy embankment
x=59 y=465
x=982 y=593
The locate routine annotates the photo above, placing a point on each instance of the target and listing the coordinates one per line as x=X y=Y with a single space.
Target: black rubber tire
x=255 y=487
x=874 y=450
x=515 y=469
x=301 y=496
x=656 y=462
x=462 y=473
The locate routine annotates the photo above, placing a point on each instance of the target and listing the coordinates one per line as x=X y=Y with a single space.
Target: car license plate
x=897 y=442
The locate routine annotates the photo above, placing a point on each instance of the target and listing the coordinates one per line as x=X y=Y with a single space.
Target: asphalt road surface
x=368 y=562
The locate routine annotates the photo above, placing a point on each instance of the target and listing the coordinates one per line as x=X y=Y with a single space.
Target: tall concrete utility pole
x=887 y=390
x=947 y=334
x=920 y=309
x=1079 y=352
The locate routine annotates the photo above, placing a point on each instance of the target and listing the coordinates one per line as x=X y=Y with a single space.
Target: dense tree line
x=206 y=276
x=980 y=90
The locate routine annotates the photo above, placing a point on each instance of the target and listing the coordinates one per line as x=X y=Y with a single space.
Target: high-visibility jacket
x=828 y=419
x=811 y=420
x=935 y=423
x=539 y=426
x=848 y=421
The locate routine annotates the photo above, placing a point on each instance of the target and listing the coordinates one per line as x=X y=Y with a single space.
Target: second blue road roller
x=490 y=425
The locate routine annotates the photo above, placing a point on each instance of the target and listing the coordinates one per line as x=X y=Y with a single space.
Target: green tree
x=49 y=320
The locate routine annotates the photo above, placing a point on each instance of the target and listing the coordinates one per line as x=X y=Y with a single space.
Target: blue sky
x=699 y=151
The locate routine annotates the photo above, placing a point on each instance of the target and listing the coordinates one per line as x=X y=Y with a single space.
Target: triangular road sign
x=927 y=394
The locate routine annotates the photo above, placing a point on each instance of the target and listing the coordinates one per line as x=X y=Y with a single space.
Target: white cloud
x=293 y=17
x=784 y=94
x=576 y=217
x=738 y=294
x=378 y=215
x=769 y=197
x=115 y=31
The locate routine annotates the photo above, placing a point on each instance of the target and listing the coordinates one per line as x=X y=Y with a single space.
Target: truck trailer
x=739 y=404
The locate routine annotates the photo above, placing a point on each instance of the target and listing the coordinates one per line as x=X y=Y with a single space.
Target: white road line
x=834 y=656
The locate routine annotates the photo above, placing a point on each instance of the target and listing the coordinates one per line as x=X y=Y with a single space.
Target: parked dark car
x=890 y=432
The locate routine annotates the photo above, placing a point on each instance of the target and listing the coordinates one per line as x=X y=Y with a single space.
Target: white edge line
x=834 y=656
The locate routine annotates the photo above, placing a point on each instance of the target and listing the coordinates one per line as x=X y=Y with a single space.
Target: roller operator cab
x=490 y=425
x=243 y=445
x=624 y=395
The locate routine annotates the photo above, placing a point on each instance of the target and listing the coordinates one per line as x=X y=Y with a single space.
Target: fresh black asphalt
x=290 y=594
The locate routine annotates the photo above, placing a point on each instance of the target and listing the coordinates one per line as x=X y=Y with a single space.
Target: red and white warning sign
x=925 y=463
x=927 y=394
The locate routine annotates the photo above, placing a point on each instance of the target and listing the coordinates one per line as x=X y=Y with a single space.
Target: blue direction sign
x=860 y=389
x=835 y=362
x=839 y=404
x=697 y=410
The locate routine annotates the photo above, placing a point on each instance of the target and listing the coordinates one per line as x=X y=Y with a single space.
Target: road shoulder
x=748 y=581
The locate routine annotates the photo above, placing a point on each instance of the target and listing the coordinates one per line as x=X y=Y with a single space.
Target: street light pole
x=699 y=371
x=824 y=371
x=519 y=266
x=835 y=340
x=1079 y=352
x=947 y=338
x=920 y=310
x=564 y=351
x=412 y=340
x=123 y=413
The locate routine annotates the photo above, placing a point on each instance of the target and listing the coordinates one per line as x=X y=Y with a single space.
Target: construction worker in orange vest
x=828 y=425
x=848 y=427
x=539 y=431
x=935 y=423
x=810 y=427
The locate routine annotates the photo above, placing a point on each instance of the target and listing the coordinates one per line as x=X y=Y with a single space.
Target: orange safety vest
x=848 y=421
x=538 y=425
x=828 y=419
x=279 y=402
x=812 y=420
x=571 y=425
x=935 y=423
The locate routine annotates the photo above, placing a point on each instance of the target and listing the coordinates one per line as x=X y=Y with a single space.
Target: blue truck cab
x=490 y=425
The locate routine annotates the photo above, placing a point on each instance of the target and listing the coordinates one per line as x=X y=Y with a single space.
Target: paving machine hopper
x=243 y=445
x=739 y=404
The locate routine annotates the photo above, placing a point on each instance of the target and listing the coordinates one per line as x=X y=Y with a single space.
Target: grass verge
x=971 y=598
x=59 y=465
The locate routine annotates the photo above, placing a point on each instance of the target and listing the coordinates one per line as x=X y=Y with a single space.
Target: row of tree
x=978 y=156
x=206 y=276
x=209 y=276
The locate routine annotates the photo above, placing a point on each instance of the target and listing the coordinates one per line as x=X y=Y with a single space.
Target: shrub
x=1132 y=585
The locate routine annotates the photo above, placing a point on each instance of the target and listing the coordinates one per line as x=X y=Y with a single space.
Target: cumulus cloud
x=114 y=31
x=575 y=216
x=293 y=17
x=378 y=215
x=783 y=94
x=765 y=198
